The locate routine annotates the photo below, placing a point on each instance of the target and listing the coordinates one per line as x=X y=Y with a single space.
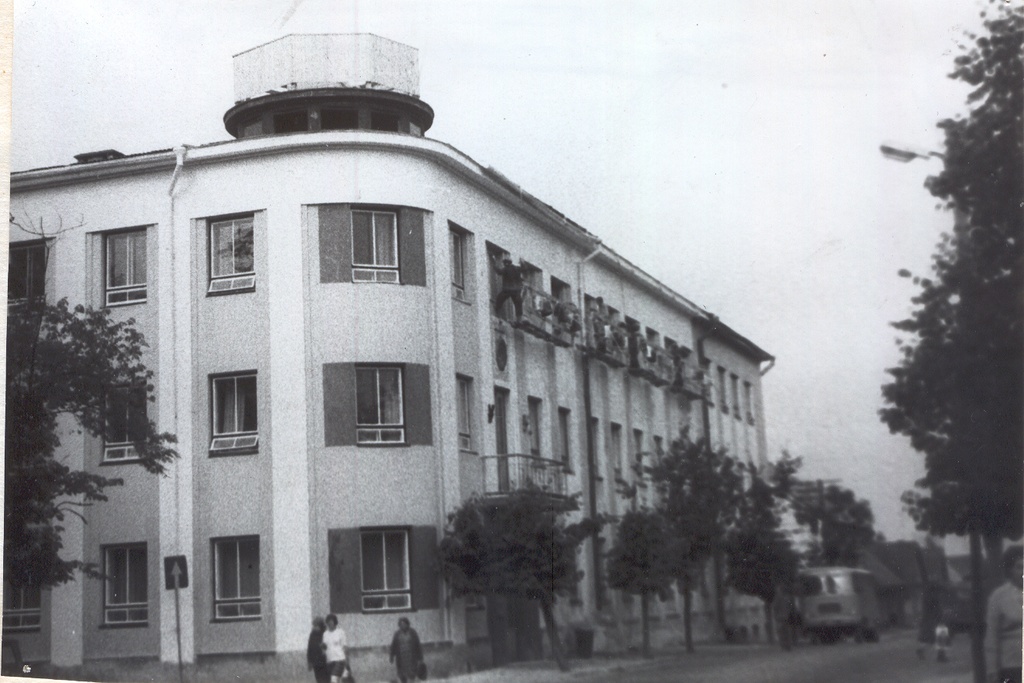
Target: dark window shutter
x=423 y=563
x=335 y=243
x=344 y=571
x=418 y=426
x=339 y=404
x=411 y=255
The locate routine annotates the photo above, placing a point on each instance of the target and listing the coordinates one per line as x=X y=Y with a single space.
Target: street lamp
x=905 y=155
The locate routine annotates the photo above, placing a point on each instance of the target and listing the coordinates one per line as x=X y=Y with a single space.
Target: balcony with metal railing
x=505 y=474
x=544 y=317
x=650 y=361
x=606 y=341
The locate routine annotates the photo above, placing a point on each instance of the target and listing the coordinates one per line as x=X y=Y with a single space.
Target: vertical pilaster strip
x=176 y=263
x=287 y=241
x=66 y=601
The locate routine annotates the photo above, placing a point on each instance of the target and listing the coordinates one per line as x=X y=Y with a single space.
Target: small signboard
x=175 y=572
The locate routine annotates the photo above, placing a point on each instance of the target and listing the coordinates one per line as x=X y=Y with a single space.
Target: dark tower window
x=291 y=122
x=339 y=119
x=383 y=121
x=251 y=128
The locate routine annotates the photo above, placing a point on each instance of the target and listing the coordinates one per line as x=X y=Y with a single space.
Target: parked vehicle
x=837 y=602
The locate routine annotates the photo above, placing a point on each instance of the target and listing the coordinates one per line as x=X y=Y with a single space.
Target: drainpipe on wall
x=705 y=412
x=587 y=410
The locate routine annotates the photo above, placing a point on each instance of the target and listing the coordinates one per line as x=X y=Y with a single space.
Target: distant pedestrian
x=406 y=651
x=334 y=646
x=1003 y=620
x=316 y=660
x=783 y=609
x=931 y=614
x=941 y=640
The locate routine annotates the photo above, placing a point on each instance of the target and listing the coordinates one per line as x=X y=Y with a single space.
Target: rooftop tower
x=311 y=82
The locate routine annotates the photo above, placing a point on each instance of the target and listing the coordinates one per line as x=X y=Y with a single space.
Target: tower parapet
x=313 y=82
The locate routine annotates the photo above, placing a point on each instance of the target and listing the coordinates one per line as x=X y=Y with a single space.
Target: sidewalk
x=546 y=671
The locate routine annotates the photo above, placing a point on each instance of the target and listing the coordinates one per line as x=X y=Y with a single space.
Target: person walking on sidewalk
x=334 y=648
x=406 y=651
x=316 y=660
x=1003 y=620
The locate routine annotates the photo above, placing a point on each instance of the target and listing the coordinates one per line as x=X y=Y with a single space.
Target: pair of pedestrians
x=326 y=653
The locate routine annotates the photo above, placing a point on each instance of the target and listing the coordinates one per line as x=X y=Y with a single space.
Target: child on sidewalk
x=941 y=640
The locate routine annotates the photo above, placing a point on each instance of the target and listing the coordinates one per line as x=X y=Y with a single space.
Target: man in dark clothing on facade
x=511 y=286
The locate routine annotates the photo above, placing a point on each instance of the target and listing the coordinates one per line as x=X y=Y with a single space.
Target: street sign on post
x=175 y=572
x=176 y=578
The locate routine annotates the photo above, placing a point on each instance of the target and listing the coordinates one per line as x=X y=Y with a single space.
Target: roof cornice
x=488 y=180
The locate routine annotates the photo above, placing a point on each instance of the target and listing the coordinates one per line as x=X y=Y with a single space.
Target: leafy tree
x=63 y=361
x=642 y=562
x=698 y=491
x=518 y=546
x=759 y=556
x=957 y=391
x=843 y=523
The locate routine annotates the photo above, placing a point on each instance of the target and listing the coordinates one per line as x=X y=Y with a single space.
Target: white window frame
x=234 y=280
x=376 y=272
x=223 y=605
x=389 y=598
x=134 y=291
x=17 y=617
x=125 y=612
x=464 y=389
x=382 y=432
x=237 y=439
x=123 y=450
x=33 y=250
x=458 y=249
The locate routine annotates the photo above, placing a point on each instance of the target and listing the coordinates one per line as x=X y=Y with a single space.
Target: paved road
x=893 y=659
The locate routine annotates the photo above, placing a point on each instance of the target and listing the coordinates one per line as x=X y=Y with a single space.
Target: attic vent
x=102 y=155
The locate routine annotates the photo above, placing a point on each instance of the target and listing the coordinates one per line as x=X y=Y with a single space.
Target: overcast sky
x=729 y=149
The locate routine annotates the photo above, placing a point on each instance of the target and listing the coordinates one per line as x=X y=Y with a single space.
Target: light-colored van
x=837 y=602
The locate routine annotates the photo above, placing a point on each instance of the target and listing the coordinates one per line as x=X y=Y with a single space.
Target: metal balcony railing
x=504 y=474
x=545 y=317
x=606 y=341
x=650 y=361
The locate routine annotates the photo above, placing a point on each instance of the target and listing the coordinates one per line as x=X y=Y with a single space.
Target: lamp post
x=905 y=155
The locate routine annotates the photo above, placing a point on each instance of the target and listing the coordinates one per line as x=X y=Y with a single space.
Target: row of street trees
x=703 y=503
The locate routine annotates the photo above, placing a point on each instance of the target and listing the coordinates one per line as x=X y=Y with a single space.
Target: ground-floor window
x=22 y=608
x=236 y=577
x=385 y=569
x=126 y=596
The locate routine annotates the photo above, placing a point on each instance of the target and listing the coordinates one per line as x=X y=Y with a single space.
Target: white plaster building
x=317 y=295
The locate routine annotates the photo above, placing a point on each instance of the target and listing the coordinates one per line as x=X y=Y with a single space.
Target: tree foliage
x=643 y=561
x=63 y=361
x=957 y=391
x=698 y=492
x=759 y=555
x=519 y=545
x=843 y=524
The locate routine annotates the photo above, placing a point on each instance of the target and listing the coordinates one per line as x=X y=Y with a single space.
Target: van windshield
x=830 y=584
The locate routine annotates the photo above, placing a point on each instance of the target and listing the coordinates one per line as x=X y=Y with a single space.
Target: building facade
x=319 y=299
